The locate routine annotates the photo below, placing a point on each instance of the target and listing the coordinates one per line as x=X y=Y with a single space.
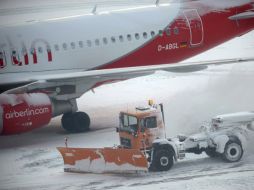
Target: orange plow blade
x=103 y=160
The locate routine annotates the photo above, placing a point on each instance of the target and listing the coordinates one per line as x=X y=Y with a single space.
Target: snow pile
x=214 y=94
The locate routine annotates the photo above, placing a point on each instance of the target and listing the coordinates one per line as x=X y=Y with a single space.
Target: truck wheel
x=163 y=160
x=211 y=153
x=233 y=151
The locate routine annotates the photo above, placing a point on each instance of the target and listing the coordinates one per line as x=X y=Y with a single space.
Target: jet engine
x=23 y=112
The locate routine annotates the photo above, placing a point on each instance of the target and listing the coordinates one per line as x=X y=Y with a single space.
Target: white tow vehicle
x=224 y=137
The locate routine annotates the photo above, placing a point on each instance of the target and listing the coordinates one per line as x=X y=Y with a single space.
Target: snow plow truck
x=144 y=146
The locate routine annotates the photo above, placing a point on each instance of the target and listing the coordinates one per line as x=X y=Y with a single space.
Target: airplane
x=46 y=65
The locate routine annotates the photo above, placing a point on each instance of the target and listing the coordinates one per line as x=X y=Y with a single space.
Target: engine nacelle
x=23 y=112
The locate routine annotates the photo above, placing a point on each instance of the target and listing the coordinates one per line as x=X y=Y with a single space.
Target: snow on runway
x=39 y=166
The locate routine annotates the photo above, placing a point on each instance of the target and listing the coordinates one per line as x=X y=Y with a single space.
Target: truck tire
x=233 y=151
x=163 y=160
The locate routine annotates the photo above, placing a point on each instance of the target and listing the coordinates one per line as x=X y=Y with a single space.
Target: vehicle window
x=133 y=120
x=150 y=122
x=125 y=120
x=129 y=123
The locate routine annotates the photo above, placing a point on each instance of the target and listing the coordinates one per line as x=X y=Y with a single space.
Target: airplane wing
x=72 y=85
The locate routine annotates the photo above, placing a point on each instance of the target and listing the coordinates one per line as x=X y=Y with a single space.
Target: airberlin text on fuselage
x=27 y=112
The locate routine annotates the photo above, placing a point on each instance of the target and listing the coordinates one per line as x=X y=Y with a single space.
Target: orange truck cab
x=139 y=129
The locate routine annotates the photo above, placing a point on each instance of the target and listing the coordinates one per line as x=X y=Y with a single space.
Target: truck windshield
x=149 y=122
x=129 y=123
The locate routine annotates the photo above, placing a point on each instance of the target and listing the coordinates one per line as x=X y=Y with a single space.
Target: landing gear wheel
x=162 y=161
x=233 y=151
x=76 y=122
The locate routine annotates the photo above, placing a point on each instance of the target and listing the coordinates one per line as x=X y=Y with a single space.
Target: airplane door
x=195 y=25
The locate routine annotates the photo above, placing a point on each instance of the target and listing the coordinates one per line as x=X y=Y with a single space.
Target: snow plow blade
x=103 y=160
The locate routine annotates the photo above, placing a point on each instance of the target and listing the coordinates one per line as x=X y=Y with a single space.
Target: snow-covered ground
x=31 y=161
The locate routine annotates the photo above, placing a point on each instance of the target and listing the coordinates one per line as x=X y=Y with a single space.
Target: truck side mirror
x=117 y=129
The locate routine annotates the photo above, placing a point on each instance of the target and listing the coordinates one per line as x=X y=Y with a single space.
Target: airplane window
x=176 y=30
x=105 y=40
x=32 y=50
x=56 y=47
x=152 y=33
x=168 y=31
x=129 y=37
x=161 y=32
x=113 y=39
x=137 y=36
x=121 y=38
x=89 y=43
x=97 y=42
x=23 y=51
x=145 y=35
x=40 y=50
x=64 y=46
x=80 y=43
x=72 y=45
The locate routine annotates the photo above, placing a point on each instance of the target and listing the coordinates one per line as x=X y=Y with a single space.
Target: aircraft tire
x=76 y=122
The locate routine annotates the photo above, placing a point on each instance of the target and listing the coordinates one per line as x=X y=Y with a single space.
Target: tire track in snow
x=190 y=177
